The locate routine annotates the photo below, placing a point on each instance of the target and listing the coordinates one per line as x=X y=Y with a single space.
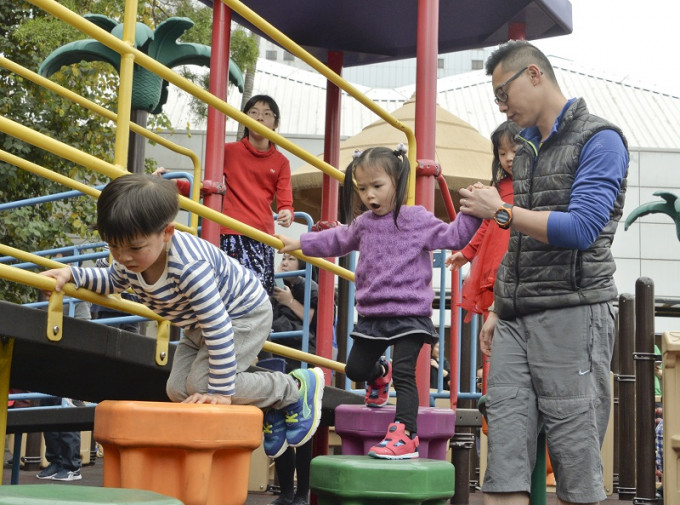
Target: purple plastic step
x=361 y=427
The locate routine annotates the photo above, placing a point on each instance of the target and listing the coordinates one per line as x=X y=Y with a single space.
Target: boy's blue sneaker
x=274 y=429
x=302 y=417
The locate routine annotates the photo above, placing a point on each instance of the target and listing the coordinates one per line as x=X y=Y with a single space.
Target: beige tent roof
x=464 y=155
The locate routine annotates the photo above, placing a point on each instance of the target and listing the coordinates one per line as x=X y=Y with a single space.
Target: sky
x=631 y=40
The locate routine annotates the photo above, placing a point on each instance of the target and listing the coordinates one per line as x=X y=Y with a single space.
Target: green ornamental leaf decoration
x=149 y=91
x=669 y=206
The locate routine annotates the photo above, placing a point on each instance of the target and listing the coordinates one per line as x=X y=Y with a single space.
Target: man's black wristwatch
x=503 y=216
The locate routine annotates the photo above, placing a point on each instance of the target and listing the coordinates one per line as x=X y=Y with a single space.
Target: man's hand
x=479 y=200
x=211 y=398
x=486 y=334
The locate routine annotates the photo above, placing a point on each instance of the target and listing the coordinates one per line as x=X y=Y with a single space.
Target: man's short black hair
x=515 y=54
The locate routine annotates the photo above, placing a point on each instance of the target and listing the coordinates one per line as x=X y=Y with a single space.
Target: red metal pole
x=329 y=212
x=426 y=109
x=329 y=208
x=517 y=30
x=214 y=139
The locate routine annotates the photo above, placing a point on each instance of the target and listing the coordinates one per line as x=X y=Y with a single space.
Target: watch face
x=502 y=216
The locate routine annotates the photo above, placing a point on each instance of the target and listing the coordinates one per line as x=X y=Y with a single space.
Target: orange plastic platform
x=199 y=454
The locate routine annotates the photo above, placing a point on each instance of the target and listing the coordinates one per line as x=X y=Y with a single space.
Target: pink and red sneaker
x=396 y=444
x=378 y=391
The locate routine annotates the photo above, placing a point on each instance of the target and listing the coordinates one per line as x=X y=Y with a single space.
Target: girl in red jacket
x=255 y=174
x=488 y=246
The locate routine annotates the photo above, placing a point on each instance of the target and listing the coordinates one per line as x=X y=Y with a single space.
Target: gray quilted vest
x=534 y=276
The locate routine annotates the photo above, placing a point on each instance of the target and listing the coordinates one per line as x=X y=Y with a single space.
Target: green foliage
x=243 y=49
x=27 y=36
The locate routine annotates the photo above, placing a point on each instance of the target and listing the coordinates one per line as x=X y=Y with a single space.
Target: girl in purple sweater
x=393 y=277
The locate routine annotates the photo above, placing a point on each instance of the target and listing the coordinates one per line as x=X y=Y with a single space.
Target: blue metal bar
x=44 y=199
x=307 y=274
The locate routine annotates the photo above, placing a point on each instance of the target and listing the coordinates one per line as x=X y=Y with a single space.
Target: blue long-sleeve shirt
x=597 y=183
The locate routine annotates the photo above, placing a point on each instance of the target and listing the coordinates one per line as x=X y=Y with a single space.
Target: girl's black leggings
x=362 y=365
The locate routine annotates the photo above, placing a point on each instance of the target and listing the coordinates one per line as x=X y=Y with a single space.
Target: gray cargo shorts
x=550 y=371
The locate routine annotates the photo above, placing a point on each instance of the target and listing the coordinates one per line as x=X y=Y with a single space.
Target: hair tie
x=400 y=150
x=356 y=153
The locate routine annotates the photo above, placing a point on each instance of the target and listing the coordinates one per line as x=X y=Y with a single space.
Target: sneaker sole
x=281 y=451
x=48 y=477
x=318 y=396
x=69 y=479
x=412 y=455
x=376 y=405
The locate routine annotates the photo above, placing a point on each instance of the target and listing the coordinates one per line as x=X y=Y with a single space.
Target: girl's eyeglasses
x=266 y=114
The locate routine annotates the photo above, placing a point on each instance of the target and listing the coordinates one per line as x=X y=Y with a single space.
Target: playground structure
x=65 y=343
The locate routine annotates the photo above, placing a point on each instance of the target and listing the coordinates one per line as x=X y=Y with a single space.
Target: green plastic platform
x=362 y=480
x=55 y=494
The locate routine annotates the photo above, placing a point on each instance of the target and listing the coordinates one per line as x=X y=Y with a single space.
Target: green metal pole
x=538 y=486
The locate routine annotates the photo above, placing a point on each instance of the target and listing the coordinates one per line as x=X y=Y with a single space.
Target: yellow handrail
x=169 y=75
x=295 y=49
x=48 y=284
x=98 y=109
x=70 y=153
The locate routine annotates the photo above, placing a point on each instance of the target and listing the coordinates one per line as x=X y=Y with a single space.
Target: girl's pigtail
x=348 y=189
x=402 y=180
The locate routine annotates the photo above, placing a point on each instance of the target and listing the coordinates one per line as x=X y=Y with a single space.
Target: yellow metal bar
x=48 y=284
x=164 y=72
x=70 y=153
x=260 y=236
x=59 y=148
x=162 y=342
x=303 y=356
x=305 y=56
x=126 y=73
x=48 y=174
x=98 y=109
x=55 y=316
x=6 y=348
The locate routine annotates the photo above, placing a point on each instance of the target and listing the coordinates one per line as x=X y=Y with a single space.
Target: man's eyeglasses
x=501 y=93
x=254 y=113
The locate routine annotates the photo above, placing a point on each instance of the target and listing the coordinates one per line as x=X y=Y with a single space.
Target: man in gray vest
x=552 y=329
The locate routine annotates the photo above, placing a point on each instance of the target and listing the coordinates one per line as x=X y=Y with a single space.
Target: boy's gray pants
x=189 y=372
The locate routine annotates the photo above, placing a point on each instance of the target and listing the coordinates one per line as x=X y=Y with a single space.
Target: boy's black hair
x=135 y=205
x=264 y=99
x=515 y=54
x=393 y=161
x=507 y=130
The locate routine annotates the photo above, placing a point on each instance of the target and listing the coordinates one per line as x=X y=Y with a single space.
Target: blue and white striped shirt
x=201 y=287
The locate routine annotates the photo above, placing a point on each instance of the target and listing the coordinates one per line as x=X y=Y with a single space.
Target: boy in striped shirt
x=222 y=307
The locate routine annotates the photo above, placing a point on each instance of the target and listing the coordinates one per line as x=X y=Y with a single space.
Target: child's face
x=506 y=153
x=261 y=112
x=376 y=189
x=289 y=263
x=143 y=253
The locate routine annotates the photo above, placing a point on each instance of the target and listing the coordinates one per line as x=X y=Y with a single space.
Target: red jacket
x=253 y=179
x=485 y=252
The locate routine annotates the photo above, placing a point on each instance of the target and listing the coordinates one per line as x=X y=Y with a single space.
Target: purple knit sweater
x=394 y=269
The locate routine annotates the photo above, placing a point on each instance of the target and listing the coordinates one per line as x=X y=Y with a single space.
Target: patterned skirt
x=253 y=255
